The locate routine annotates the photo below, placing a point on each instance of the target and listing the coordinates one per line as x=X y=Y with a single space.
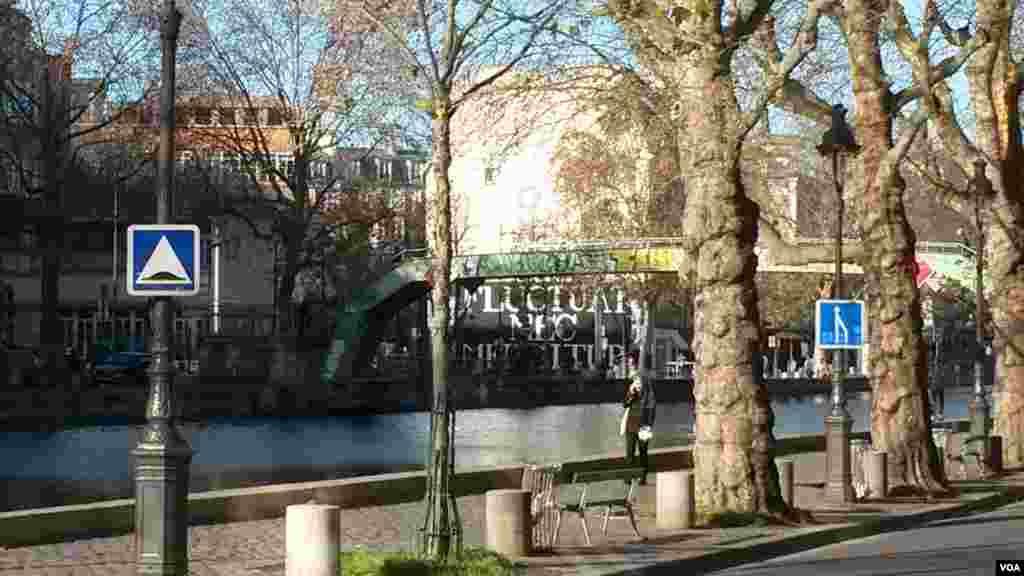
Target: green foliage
x=474 y=562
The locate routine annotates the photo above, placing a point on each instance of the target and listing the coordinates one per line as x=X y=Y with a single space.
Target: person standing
x=638 y=421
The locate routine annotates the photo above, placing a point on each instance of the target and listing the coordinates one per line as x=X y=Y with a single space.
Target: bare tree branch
x=805 y=42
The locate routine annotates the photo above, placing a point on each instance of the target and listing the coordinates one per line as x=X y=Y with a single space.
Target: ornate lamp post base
x=978 y=412
x=839 y=483
x=161 y=501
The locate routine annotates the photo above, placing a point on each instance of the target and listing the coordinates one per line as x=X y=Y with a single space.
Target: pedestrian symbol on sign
x=839 y=327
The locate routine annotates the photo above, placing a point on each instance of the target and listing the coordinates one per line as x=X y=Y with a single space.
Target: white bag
x=645 y=434
x=622 y=426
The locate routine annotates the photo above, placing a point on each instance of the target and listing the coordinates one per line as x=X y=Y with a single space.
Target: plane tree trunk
x=735 y=471
x=900 y=414
x=994 y=85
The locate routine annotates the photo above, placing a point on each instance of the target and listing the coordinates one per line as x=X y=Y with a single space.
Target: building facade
x=218 y=141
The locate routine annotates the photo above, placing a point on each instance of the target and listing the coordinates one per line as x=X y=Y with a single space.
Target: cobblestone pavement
x=257 y=548
x=239 y=549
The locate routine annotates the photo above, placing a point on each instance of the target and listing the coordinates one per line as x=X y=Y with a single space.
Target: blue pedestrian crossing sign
x=163 y=260
x=839 y=324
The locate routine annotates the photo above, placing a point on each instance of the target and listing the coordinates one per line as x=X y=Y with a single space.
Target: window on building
x=251 y=116
x=274 y=117
x=202 y=115
x=399 y=172
x=182 y=115
x=226 y=117
x=367 y=168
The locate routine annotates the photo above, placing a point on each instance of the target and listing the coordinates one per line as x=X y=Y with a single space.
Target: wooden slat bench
x=624 y=503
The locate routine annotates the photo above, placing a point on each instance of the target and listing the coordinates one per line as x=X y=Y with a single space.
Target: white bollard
x=312 y=537
x=786 y=480
x=508 y=529
x=878 y=481
x=674 y=500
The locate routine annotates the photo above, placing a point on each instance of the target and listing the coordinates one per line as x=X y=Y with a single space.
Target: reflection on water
x=255 y=451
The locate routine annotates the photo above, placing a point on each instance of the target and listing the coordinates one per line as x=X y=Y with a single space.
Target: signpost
x=839 y=324
x=163 y=260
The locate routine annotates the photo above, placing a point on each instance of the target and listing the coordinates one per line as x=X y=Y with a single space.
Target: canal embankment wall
x=205 y=397
x=117 y=517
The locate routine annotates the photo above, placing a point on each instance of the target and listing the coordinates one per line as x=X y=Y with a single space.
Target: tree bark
x=900 y=414
x=994 y=84
x=1007 y=309
x=285 y=288
x=54 y=150
x=735 y=471
x=441 y=513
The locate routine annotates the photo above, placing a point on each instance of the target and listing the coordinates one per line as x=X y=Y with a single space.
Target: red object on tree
x=429 y=278
x=921 y=272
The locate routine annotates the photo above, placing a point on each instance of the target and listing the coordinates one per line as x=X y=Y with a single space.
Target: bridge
x=361 y=321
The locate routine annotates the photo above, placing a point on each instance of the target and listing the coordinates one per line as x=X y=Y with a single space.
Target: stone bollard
x=674 y=499
x=995 y=454
x=312 y=537
x=786 y=481
x=508 y=528
x=877 y=473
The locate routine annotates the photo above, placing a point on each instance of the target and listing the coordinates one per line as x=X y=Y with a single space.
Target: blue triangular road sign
x=163 y=260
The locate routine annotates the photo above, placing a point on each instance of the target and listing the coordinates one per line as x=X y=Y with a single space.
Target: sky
x=837 y=89
x=60 y=20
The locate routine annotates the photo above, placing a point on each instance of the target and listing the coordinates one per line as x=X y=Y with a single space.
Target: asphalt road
x=969 y=546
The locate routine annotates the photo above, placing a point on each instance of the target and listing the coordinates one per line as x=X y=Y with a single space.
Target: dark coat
x=642 y=407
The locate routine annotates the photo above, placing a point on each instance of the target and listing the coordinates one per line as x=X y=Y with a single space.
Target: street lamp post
x=162 y=457
x=978 y=406
x=837 y=141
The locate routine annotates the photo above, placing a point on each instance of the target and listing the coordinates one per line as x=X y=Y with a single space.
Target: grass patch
x=474 y=562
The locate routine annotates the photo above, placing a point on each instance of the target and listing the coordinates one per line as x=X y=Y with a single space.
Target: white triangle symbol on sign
x=163 y=266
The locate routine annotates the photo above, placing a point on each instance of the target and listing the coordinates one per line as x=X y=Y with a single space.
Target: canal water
x=84 y=464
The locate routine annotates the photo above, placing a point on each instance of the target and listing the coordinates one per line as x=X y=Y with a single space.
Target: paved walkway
x=257 y=548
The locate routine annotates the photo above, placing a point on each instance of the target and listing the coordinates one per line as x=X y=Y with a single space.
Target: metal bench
x=974 y=447
x=624 y=503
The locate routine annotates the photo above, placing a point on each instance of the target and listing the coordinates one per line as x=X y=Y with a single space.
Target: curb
x=785 y=545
